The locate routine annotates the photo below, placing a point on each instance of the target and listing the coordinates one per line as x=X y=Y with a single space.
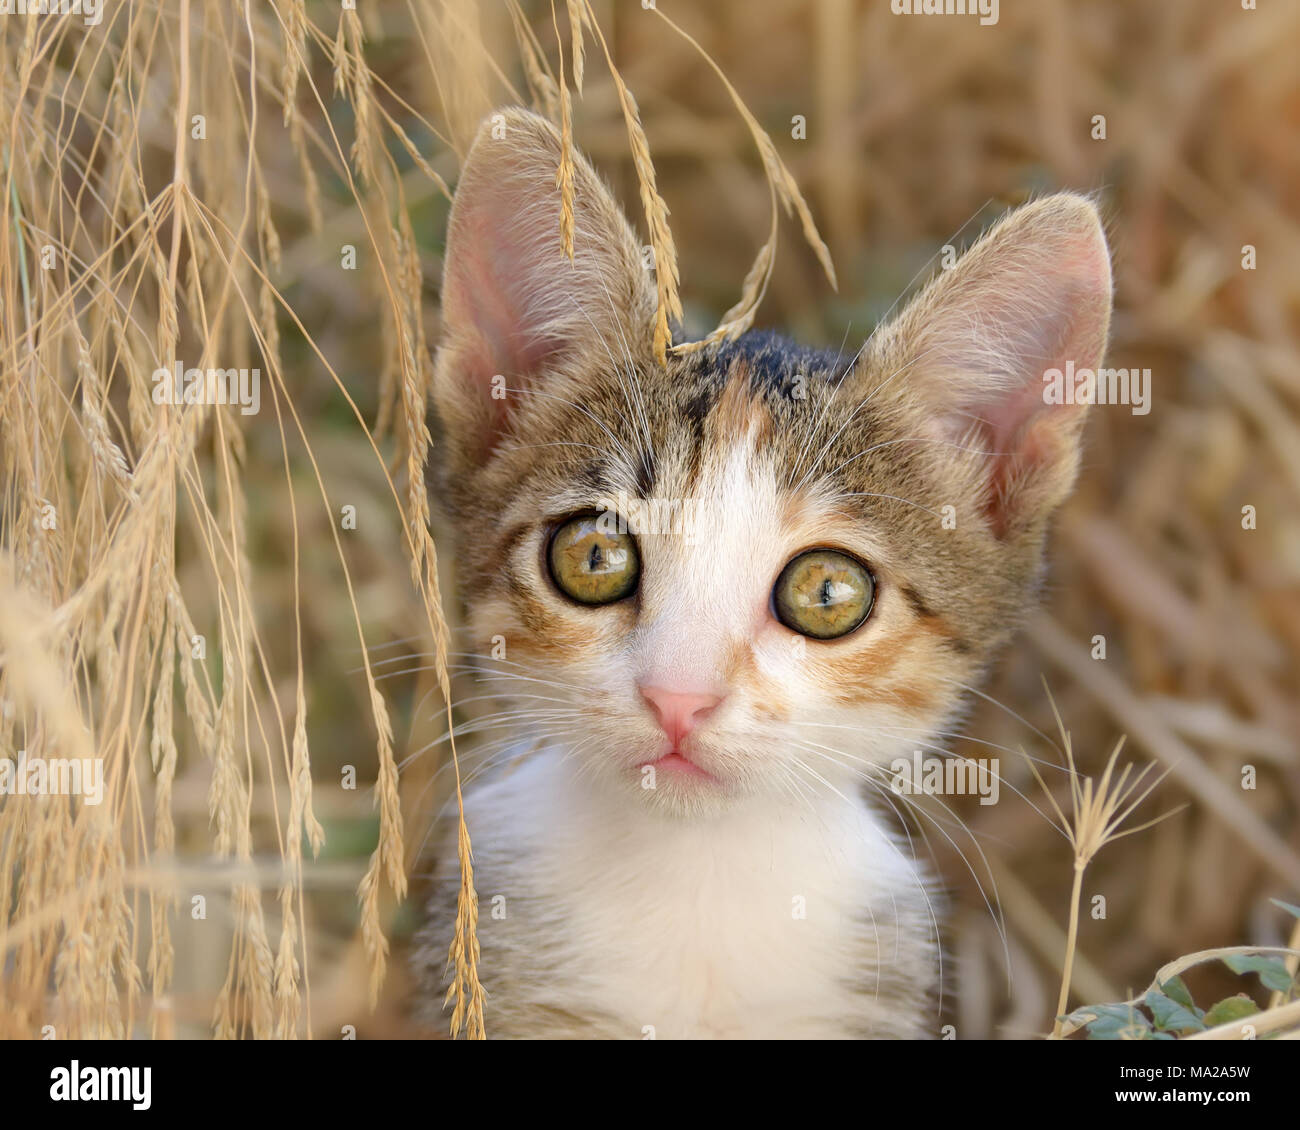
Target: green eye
x=823 y=594
x=592 y=563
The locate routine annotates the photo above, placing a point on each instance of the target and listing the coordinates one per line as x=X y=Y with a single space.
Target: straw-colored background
x=171 y=523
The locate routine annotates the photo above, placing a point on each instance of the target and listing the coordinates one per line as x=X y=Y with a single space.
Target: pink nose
x=679 y=712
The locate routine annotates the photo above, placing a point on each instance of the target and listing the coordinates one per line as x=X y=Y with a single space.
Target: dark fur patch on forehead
x=645 y=474
x=594 y=475
x=772 y=363
x=709 y=386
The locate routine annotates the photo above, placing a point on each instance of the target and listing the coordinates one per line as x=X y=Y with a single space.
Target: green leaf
x=1272 y=971
x=1119 y=1011
x=1176 y=989
x=1104 y=1029
x=1289 y=907
x=1080 y=1017
x=1113 y=1022
x=1230 y=1009
x=1109 y=1028
x=1172 y=1016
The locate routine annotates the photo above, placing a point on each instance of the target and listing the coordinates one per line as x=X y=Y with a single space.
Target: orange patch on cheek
x=553 y=645
x=529 y=621
x=739 y=664
x=530 y=630
x=769 y=702
x=895 y=670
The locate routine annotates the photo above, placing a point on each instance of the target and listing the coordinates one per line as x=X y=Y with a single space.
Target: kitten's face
x=725 y=477
x=763 y=569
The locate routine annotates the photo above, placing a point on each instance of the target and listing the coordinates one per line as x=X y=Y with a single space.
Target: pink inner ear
x=486 y=291
x=514 y=362
x=1028 y=436
x=1035 y=302
x=1042 y=444
x=1005 y=418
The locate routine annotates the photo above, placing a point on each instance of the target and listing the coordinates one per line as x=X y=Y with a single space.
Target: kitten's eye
x=824 y=594
x=590 y=565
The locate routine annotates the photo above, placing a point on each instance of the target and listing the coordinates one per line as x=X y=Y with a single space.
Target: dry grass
x=127 y=523
x=128 y=529
x=1098 y=810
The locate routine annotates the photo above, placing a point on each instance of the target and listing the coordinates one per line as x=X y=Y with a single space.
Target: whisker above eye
x=553 y=443
x=857 y=410
x=622 y=450
x=934 y=440
x=628 y=384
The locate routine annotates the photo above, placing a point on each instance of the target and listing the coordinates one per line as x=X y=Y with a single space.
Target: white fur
x=756 y=923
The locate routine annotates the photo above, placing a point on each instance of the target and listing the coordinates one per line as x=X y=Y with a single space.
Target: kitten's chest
x=773 y=925
x=706 y=946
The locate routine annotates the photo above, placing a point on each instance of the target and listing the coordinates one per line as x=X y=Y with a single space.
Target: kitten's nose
x=679 y=712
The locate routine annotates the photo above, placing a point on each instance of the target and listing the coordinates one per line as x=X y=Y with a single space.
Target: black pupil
x=826 y=592
x=594 y=558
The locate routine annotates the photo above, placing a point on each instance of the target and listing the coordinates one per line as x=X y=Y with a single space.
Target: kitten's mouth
x=677 y=765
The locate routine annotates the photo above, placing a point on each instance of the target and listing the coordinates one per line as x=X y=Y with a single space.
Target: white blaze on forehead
x=707 y=579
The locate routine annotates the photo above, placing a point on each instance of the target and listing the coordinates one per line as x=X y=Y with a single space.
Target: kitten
x=700 y=695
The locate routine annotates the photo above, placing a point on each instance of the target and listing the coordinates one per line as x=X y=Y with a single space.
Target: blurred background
x=1172 y=614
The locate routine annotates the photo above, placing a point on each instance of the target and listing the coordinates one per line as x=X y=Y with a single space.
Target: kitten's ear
x=513 y=303
x=977 y=345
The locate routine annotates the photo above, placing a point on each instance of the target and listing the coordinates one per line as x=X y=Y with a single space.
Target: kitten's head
x=764 y=569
